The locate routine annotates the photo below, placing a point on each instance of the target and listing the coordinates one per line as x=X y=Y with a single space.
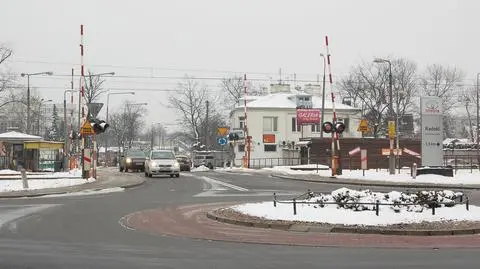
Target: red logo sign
x=308 y=116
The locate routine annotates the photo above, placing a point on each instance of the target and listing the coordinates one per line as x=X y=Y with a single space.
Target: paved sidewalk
x=333 y=180
x=106 y=178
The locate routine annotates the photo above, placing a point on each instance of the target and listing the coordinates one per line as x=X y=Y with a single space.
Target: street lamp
x=323 y=92
x=392 y=158
x=49 y=73
x=108 y=101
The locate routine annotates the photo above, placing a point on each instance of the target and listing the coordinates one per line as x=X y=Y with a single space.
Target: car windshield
x=138 y=154
x=162 y=155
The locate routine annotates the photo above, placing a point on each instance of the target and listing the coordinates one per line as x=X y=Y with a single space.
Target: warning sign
x=87 y=129
x=363 y=127
x=222 y=131
x=391 y=129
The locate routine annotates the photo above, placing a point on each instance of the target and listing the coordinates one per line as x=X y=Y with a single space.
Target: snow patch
x=348 y=210
x=201 y=168
x=36 y=184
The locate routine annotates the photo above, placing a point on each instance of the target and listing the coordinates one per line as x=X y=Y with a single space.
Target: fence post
x=294 y=206
x=274 y=200
x=377 y=205
x=433 y=209
x=24 y=178
x=461 y=198
x=466 y=203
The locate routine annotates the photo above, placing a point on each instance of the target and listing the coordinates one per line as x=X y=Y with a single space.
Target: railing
x=433 y=204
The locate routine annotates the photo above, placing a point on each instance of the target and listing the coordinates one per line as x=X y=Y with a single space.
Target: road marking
x=214 y=183
x=19 y=212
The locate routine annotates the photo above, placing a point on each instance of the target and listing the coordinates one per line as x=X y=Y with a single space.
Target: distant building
x=273 y=126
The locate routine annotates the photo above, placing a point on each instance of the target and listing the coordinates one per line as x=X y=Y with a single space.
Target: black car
x=184 y=162
x=132 y=160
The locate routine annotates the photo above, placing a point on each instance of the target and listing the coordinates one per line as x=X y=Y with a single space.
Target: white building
x=272 y=122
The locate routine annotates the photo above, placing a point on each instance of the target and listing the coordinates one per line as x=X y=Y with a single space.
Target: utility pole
x=478 y=123
x=206 y=127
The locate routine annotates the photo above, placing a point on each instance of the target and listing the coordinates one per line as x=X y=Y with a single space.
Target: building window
x=270 y=124
x=315 y=128
x=295 y=126
x=270 y=147
x=241 y=148
x=241 y=122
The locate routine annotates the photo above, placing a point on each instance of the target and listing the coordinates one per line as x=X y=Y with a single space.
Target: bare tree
x=125 y=124
x=443 y=82
x=233 y=89
x=5 y=53
x=190 y=102
x=93 y=87
x=367 y=86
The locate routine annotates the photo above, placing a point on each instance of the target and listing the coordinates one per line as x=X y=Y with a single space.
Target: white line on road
x=215 y=184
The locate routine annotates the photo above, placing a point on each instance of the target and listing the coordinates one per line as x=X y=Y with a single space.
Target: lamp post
x=323 y=93
x=49 y=73
x=392 y=156
x=108 y=101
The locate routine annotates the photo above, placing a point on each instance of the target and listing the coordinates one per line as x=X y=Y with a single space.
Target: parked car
x=132 y=160
x=162 y=162
x=184 y=162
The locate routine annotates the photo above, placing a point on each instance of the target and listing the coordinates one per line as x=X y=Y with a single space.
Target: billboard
x=432 y=131
x=308 y=116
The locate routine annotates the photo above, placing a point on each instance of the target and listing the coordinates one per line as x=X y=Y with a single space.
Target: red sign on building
x=308 y=116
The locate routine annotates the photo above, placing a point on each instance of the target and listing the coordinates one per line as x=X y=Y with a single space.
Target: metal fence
x=433 y=204
x=374 y=162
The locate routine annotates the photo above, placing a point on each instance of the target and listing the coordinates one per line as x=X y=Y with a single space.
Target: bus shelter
x=19 y=150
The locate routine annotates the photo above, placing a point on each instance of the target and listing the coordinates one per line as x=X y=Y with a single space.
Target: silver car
x=161 y=162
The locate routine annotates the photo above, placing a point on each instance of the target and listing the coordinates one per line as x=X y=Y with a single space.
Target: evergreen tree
x=53 y=134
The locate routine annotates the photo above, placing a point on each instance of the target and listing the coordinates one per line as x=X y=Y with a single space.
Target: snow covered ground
x=335 y=214
x=11 y=180
x=8 y=185
x=75 y=173
x=461 y=177
x=201 y=168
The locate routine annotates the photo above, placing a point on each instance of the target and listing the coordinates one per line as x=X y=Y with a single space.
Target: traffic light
x=99 y=126
x=233 y=137
x=328 y=127
x=339 y=127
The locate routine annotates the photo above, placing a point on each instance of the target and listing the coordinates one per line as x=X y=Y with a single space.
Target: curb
x=292 y=227
x=360 y=182
x=23 y=194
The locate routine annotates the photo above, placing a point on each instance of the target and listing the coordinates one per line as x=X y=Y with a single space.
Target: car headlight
x=176 y=165
x=129 y=160
x=153 y=163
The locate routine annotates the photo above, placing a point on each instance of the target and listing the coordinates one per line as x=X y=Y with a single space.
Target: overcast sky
x=144 y=40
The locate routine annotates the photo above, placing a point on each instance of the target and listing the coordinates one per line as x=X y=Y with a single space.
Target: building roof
x=16 y=136
x=287 y=100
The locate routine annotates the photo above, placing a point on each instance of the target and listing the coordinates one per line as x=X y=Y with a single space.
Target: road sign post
x=363 y=160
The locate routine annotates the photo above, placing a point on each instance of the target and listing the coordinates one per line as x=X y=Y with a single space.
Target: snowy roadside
x=347 y=212
x=10 y=181
x=462 y=177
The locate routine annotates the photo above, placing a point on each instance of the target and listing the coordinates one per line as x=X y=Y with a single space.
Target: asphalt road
x=84 y=231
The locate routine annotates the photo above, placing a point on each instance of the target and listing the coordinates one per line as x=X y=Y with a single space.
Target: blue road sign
x=222 y=140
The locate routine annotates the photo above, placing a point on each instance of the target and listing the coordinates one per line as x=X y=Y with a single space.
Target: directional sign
x=363 y=127
x=222 y=140
x=222 y=131
x=87 y=129
x=94 y=109
x=354 y=151
x=386 y=152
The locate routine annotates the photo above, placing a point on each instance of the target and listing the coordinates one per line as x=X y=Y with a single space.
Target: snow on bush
x=201 y=168
x=366 y=199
